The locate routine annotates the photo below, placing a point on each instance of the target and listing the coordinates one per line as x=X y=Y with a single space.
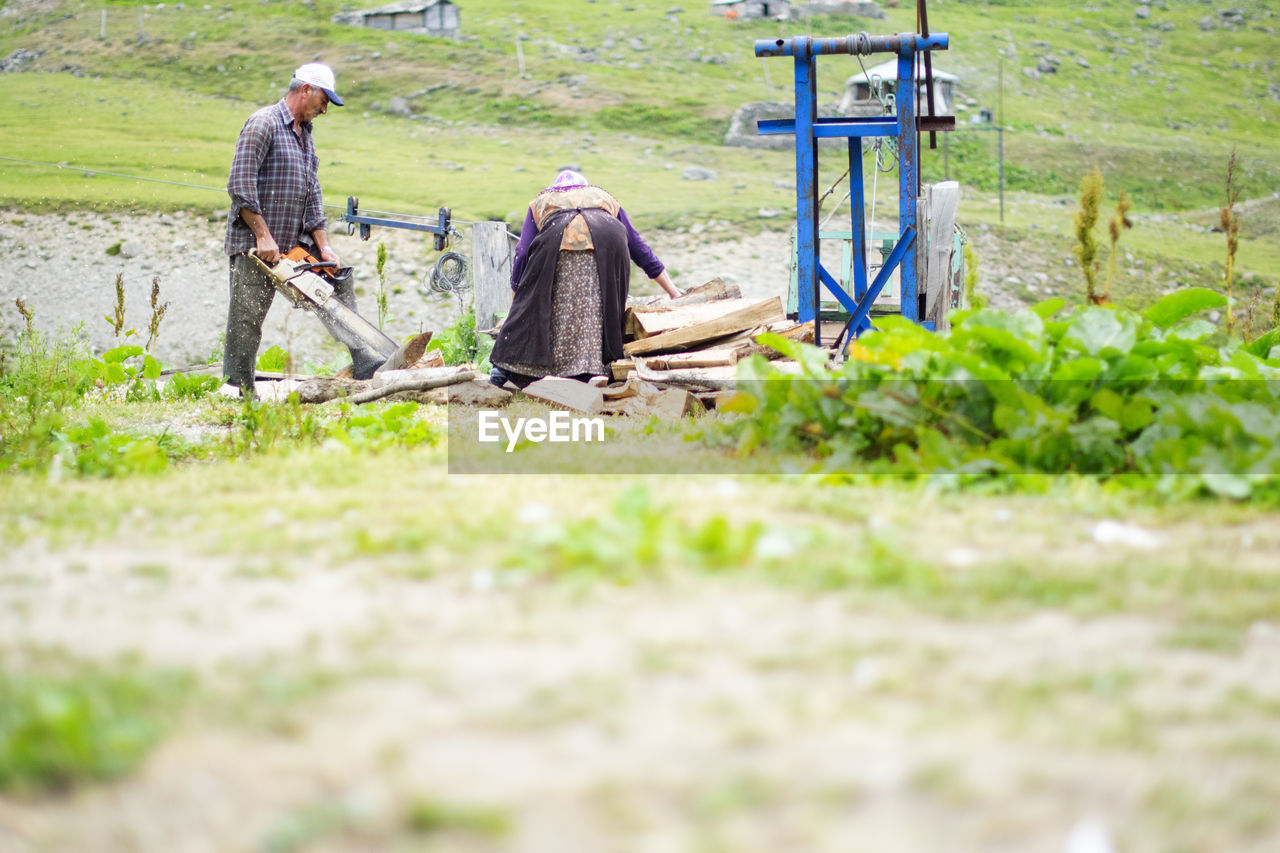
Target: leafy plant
x=190 y=386
x=459 y=343
x=1230 y=223
x=1138 y=398
x=382 y=284
x=1086 y=248
x=397 y=425
x=58 y=731
x=116 y=322
x=157 y=314
x=276 y=359
x=1118 y=224
x=972 y=298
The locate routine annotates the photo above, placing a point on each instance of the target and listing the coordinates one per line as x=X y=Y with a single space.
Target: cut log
x=754 y=314
x=621 y=369
x=321 y=389
x=704 y=378
x=568 y=394
x=712 y=291
x=718 y=357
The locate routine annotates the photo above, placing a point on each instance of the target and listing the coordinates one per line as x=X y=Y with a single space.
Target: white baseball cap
x=320 y=76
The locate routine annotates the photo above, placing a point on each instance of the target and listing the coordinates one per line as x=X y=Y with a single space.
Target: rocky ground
x=64 y=268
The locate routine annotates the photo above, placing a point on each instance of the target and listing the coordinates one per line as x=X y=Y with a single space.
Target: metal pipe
x=856 y=44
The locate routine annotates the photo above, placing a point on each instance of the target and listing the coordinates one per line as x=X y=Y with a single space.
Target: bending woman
x=571 y=274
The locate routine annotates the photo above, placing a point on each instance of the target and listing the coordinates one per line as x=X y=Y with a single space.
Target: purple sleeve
x=639 y=250
x=527 y=233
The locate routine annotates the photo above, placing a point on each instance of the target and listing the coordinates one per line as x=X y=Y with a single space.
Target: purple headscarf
x=568 y=180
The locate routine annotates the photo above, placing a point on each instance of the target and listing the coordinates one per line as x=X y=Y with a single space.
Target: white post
x=102 y=31
x=520 y=57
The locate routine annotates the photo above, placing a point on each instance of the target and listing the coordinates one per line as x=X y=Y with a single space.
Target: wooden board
x=689 y=337
x=568 y=394
x=491 y=257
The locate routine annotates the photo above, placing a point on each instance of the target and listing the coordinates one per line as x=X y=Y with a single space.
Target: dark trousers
x=251 y=295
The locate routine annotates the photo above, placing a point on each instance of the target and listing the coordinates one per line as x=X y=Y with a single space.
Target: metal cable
x=449 y=275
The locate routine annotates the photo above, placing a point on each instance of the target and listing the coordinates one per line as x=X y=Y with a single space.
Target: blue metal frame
x=809 y=128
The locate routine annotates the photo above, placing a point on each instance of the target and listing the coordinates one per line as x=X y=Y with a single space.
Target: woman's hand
x=664 y=281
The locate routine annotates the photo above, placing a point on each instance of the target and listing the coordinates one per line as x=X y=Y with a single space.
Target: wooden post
x=941 y=202
x=492 y=251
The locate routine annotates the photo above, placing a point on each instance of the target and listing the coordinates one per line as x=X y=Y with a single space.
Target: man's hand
x=267 y=249
x=328 y=254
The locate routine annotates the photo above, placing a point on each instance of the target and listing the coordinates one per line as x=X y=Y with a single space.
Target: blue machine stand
x=809 y=128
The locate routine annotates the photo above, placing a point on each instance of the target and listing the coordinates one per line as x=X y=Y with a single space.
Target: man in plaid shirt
x=275 y=206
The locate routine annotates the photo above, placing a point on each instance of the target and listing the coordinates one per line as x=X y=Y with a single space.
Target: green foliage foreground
x=1143 y=400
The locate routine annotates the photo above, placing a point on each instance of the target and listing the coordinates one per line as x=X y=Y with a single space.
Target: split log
x=567 y=393
x=629 y=406
x=621 y=369
x=713 y=291
x=746 y=317
x=410 y=354
x=675 y=403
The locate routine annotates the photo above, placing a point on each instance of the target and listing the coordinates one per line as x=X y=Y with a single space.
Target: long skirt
x=576 y=319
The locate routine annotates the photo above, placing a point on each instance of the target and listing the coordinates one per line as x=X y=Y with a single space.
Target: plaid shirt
x=274 y=174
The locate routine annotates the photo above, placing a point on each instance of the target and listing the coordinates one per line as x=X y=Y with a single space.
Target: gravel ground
x=60 y=267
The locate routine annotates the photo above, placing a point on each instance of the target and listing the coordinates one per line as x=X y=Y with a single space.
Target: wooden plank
x=492 y=252
x=568 y=394
x=763 y=311
x=621 y=369
x=942 y=200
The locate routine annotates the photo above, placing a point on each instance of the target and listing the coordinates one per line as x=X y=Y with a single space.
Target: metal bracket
x=442 y=227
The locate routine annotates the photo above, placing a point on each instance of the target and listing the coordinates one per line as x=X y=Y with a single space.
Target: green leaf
x=151 y=367
x=120 y=353
x=1183 y=303
x=273 y=360
x=1046 y=309
x=1101 y=331
x=1261 y=347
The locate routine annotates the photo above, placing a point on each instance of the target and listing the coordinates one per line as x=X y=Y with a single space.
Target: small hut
x=424 y=17
x=751 y=9
x=860 y=100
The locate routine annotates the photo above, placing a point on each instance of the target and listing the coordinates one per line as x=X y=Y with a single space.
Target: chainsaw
x=309 y=283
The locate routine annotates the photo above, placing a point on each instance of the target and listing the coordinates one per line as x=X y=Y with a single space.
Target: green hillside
x=634 y=93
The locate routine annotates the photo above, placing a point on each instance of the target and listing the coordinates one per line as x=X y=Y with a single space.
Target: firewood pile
x=681 y=355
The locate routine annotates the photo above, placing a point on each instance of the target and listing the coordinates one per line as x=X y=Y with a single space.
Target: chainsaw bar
x=305 y=289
